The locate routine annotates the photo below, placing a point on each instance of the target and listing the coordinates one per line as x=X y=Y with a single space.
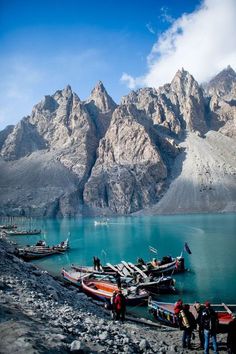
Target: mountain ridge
x=119 y=159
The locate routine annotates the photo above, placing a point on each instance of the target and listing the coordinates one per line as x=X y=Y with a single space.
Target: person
x=178 y=307
x=209 y=323
x=98 y=264
x=154 y=262
x=120 y=305
x=118 y=280
x=231 y=338
x=199 y=309
x=94 y=262
x=187 y=324
x=112 y=305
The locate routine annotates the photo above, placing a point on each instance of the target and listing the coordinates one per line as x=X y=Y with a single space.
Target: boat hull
x=103 y=291
x=164 y=313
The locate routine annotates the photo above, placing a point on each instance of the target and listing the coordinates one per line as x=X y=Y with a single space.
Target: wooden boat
x=7 y=227
x=23 y=232
x=164 y=313
x=155 y=286
x=167 y=265
x=40 y=251
x=103 y=289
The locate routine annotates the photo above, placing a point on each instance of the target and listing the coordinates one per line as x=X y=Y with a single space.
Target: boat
x=7 y=227
x=23 y=232
x=100 y=222
x=40 y=250
x=164 y=284
x=167 y=265
x=103 y=290
x=163 y=312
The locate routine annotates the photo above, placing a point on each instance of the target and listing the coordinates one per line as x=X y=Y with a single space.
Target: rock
x=78 y=347
x=103 y=336
x=143 y=344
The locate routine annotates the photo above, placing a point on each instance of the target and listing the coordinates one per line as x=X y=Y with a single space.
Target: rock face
x=73 y=157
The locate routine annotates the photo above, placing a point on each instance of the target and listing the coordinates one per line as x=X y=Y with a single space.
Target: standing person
x=199 y=309
x=120 y=306
x=94 y=262
x=209 y=323
x=113 y=312
x=178 y=307
x=188 y=324
x=231 y=339
x=118 y=280
x=98 y=264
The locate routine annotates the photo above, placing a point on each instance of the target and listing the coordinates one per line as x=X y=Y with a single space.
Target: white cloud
x=129 y=80
x=203 y=42
x=150 y=28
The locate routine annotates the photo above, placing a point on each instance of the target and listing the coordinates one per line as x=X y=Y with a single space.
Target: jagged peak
x=101 y=98
x=183 y=75
x=222 y=83
x=226 y=73
x=67 y=88
x=99 y=88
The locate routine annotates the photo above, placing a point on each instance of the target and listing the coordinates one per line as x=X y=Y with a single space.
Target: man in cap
x=209 y=323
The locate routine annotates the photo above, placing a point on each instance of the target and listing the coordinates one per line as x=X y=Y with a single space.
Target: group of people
x=207 y=324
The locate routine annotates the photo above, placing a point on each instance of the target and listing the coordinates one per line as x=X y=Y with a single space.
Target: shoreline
x=39 y=314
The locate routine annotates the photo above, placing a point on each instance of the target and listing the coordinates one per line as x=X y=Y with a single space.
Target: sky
x=127 y=44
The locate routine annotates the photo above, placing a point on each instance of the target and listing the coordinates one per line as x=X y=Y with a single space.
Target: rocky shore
x=38 y=314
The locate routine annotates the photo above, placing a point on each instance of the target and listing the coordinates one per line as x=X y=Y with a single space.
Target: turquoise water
x=211 y=238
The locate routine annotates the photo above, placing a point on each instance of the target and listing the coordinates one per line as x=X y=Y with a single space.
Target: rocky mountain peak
x=184 y=83
x=222 y=83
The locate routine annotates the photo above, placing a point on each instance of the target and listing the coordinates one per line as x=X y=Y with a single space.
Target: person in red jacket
x=120 y=306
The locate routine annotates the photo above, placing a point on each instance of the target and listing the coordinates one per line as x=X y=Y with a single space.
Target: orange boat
x=102 y=290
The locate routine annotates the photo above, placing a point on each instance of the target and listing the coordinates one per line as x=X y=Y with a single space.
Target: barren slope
x=207 y=177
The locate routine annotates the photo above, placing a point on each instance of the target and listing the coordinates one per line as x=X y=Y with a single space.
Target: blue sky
x=46 y=45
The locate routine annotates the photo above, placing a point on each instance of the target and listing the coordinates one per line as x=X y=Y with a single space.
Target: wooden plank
x=131 y=271
x=115 y=269
x=137 y=270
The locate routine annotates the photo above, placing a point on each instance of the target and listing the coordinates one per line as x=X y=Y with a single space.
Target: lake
x=211 y=238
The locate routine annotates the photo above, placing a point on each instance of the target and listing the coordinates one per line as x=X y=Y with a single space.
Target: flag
x=152 y=249
x=187 y=249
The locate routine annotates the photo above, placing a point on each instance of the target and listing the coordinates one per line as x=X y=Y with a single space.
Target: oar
x=227 y=309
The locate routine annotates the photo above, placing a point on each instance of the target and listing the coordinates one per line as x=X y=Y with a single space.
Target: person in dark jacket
x=118 y=280
x=209 y=323
x=120 y=306
x=188 y=324
x=231 y=339
x=199 y=308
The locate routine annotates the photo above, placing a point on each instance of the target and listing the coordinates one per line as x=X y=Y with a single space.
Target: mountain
x=161 y=150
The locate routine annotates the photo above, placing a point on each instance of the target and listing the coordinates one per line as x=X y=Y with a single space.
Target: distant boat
x=8 y=227
x=23 y=232
x=164 y=313
x=40 y=250
x=100 y=222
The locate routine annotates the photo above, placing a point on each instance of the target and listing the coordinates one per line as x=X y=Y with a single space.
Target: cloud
x=165 y=16
x=150 y=28
x=203 y=42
